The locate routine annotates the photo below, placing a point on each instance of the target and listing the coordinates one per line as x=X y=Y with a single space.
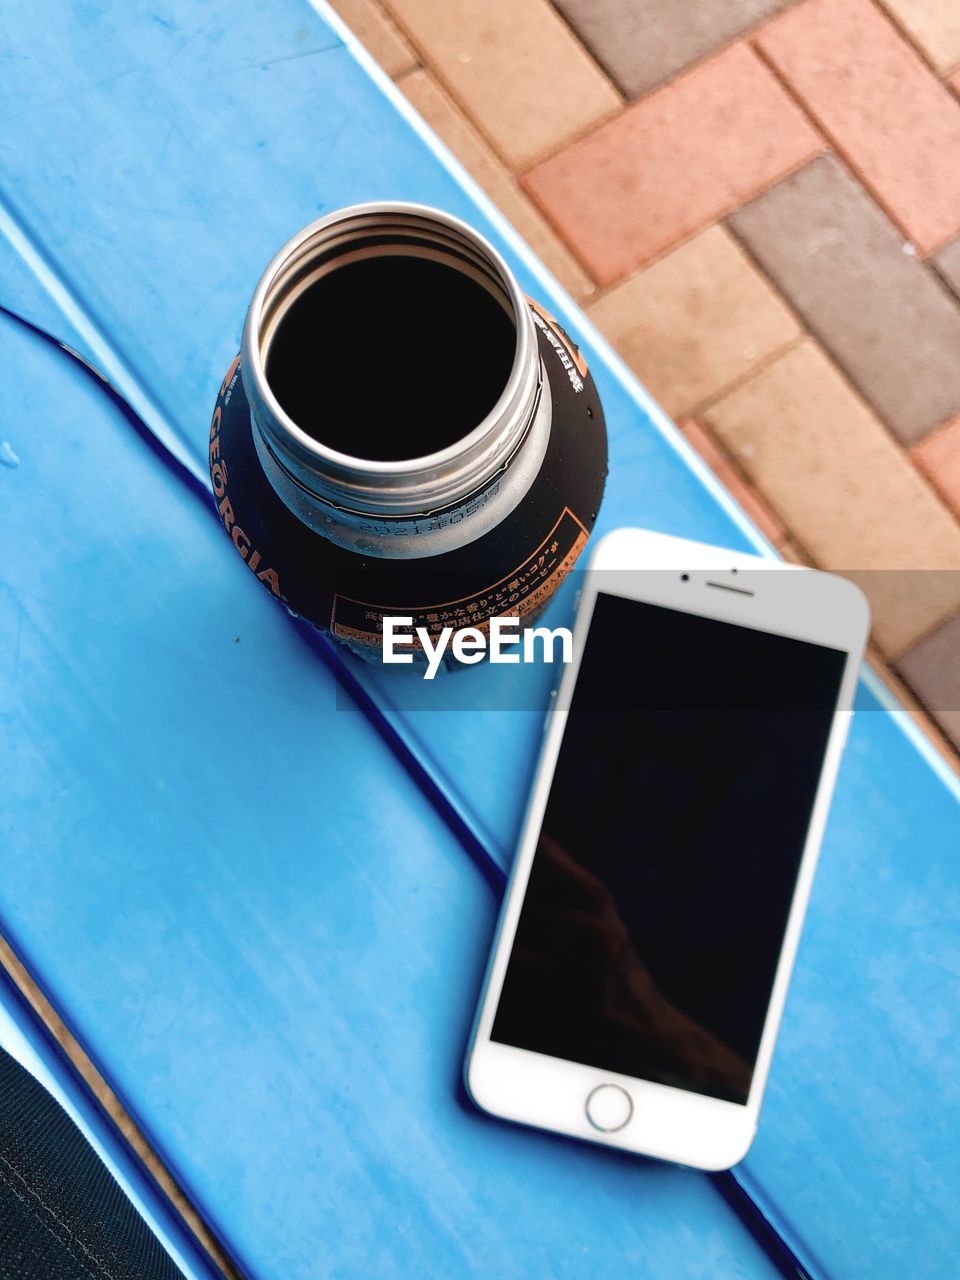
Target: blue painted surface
x=150 y=168
x=251 y=917
x=24 y=1038
x=857 y=1142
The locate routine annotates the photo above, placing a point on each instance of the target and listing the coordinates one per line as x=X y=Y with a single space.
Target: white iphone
x=650 y=925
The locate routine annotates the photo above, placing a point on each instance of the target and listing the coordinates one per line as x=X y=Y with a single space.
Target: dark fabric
x=62 y=1215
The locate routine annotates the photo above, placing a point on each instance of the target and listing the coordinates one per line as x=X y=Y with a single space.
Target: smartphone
x=651 y=921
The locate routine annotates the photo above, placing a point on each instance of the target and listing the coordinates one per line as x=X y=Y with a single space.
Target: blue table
x=263 y=907
x=23 y=1036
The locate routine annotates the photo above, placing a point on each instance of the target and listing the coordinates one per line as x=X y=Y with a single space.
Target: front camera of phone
x=684 y=577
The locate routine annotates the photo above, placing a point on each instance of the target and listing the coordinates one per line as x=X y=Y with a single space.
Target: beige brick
x=696 y=321
x=933 y=25
x=475 y=154
x=516 y=67
x=378 y=33
x=792 y=551
x=729 y=475
x=845 y=489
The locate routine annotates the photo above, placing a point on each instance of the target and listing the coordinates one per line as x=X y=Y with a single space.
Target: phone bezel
x=668 y=1123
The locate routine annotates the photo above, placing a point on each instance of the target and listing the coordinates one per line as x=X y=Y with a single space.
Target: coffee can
x=404 y=432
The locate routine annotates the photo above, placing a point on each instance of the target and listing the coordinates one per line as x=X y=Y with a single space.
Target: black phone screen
x=654 y=916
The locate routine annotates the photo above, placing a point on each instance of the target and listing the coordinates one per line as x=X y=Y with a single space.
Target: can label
x=568 y=353
x=511 y=570
x=517 y=594
x=219 y=478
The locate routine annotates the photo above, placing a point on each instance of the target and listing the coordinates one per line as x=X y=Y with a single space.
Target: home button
x=609 y=1107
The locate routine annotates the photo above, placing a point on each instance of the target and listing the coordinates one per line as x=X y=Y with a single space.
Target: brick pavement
x=758 y=202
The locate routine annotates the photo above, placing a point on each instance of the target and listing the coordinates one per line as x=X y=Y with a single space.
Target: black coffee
x=391 y=358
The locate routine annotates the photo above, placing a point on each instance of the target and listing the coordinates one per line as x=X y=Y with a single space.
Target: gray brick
x=886 y=317
x=644 y=43
x=948 y=263
x=932 y=669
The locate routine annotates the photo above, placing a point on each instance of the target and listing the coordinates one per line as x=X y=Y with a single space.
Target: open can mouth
x=328 y=339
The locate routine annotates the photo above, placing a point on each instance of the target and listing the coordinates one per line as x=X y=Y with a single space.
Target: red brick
x=938 y=457
x=881 y=105
x=673 y=163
